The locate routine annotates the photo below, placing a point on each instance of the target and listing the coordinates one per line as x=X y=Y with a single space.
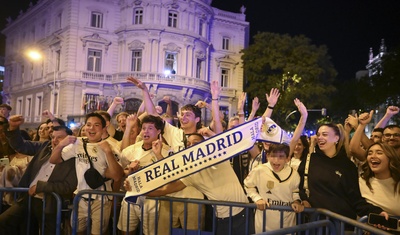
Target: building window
x=225 y=43
x=224 y=78
x=91 y=102
x=198 y=68
x=38 y=107
x=201 y=23
x=22 y=73
x=58 y=60
x=94 y=60
x=59 y=21
x=138 y=16
x=136 y=60
x=28 y=108
x=170 y=63
x=19 y=105
x=96 y=20
x=172 y=19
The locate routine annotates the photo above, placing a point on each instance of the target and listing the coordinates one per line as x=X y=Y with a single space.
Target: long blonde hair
x=343 y=139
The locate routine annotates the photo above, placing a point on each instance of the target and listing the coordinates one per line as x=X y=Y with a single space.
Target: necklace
x=145 y=148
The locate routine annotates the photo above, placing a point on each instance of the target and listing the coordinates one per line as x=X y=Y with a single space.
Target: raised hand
x=301 y=107
x=118 y=100
x=156 y=146
x=241 y=101
x=392 y=110
x=137 y=83
x=201 y=104
x=215 y=89
x=159 y=109
x=48 y=114
x=255 y=105
x=131 y=120
x=366 y=118
x=167 y=99
x=273 y=96
x=15 y=121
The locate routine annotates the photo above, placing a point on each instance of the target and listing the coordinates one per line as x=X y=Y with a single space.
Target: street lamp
x=323 y=112
x=36 y=56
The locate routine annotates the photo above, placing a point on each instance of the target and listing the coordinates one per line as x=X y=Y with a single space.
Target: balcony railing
x=96 y=76
x=171 y=79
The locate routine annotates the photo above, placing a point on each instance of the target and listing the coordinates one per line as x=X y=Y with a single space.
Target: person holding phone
x=329 y=179
x=380 y=180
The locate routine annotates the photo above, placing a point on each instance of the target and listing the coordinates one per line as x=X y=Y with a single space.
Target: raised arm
x=148 y=103
x=55 y=157
x=127 y=139
x=15 y=139
x=168 y=101
x=117 y=101
x=355 y=147
x=255 y=105
x=390 y=112
x=215 y=91
x=47 y=114
x=240 y=108
x=272 y=98
x=300 y=126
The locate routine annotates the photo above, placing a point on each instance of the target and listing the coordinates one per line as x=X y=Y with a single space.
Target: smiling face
x=4 y=112
x=378 y=162
x=188 y=121
x=278 y=160
x=94 y=129
x=57 y=136
x=327 y=139
x=391 y=136
x=122 y=122
x=44 y=131
x=376 y=136
x=149 y=134
x=193 y=139
x=298 y=149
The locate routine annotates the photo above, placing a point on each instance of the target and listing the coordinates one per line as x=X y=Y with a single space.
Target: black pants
x=15 y=219
x=238 y=224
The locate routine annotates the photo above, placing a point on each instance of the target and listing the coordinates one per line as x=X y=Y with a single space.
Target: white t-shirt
x=382 y=195
x=136 y=152
x=98 y=158
x=262 y=184
x=219 y=182
x=115 y=147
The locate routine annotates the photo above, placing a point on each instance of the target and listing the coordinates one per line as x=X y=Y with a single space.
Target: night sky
x=347 y=27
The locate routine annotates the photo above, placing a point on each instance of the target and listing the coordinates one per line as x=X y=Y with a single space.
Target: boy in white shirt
x=274 y=183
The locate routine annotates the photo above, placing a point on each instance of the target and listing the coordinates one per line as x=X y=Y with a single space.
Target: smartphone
x=4 y=162
x=392 y=223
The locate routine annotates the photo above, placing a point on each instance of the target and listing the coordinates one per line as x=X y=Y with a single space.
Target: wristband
x=270 y=107
x=214 y=99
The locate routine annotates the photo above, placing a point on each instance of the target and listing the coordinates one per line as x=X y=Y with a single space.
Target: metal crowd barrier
x=17 y=191
x=320 y=221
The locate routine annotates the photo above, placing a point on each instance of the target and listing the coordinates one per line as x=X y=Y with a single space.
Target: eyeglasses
x=395 y=135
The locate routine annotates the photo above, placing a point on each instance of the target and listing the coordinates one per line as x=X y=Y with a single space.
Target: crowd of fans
x=339 y=168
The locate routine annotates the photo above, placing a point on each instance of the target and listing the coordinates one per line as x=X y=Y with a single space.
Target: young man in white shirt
x=103 y=160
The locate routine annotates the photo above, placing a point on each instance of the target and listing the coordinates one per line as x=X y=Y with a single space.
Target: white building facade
x=90 y=47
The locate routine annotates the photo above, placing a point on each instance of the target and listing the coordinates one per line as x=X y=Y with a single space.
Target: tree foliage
x=292 y=64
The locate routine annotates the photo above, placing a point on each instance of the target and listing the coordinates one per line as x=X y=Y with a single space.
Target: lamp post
x=36 y=56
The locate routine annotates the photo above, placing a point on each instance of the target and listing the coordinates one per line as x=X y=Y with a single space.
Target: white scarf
x=205 y=154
